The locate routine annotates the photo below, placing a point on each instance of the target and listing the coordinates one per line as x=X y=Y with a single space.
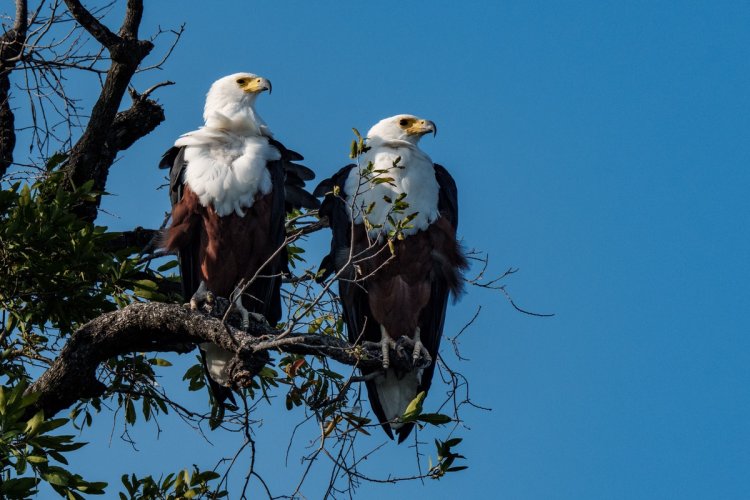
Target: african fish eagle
x=231 y=184
x=391 y=289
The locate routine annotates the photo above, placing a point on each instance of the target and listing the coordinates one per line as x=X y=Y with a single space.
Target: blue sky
x=603 y=148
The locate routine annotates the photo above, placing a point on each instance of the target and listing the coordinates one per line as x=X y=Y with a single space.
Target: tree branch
x=136 y=122
x=132 y=21
x=102 y=34
x=156 y=327
x=105 y=135
x=137 y=238
x=11 y=47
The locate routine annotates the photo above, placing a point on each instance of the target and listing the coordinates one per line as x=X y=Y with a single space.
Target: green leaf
x=57 y=476
x=434 y=418
x=147 y=285
x=457 y=468
x=34 y=424
x=414 y=408
x=55 y=160
x=129 y=411
x=209 y=475
x=29 y=399
x=22 y=487
x=169 y=265
x=51 y=425
x=159 y=362
x=453 y=442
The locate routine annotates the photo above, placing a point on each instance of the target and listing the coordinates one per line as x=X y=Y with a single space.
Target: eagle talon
x=421 y=357
x=203 y=298
x=420 y=351
x=386 y=344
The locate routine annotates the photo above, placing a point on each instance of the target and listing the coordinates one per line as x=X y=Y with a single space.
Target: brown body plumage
x=230 y=248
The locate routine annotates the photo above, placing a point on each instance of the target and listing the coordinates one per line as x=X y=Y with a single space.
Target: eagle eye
x=403 y=122
x=241 y=81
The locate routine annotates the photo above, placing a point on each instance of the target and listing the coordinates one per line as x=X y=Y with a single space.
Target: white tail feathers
x=395 y=393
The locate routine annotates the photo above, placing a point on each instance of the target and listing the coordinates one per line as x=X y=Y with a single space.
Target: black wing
x=334 y=208
x=354 y=301
x=295 y=176
x=447 y=196
x=174 y=160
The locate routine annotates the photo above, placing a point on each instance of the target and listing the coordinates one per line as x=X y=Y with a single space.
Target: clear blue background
x=601 y=147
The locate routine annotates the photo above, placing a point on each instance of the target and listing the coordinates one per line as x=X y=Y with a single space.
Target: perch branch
x=157 y=327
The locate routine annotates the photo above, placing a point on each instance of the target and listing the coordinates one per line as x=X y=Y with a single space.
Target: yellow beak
x=422 y=127
x=257 y=85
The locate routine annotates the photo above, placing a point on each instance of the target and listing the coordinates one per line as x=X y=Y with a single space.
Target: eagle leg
x=202 y=297
x=243 y=312
x=386 y=343
x=420 y=350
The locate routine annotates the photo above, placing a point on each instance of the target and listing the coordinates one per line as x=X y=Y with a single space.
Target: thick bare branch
x=155 y=327
x=102 y=34
x=133 y=15
x=109 y=131
x=11 y=47
x=21 y=22
x=132 y=124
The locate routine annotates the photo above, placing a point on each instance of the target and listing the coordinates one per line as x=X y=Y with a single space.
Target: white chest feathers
x=227 y=170
x=373 y=196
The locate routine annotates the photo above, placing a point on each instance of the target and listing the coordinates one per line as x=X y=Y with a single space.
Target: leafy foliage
x=180 y=485
x=59 y=273
x=28 y=450
x=59 y=270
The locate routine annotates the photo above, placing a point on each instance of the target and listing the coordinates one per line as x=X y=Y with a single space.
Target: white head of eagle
x=407 y=128
x=230 y=102
x=226 y=158
x=394 y=151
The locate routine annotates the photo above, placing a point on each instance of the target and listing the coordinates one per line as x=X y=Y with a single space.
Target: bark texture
x=156 y=327
x=11 y=48
x=108 y=131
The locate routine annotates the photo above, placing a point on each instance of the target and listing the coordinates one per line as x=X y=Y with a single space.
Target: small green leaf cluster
x=309 y=385
x=446 y=456
x=196 y=379
x=28 y=450
x=259 y=385
x=130 y=379
x=358 y=146
x=294 y=254
x=397 y=217
x=175 y=486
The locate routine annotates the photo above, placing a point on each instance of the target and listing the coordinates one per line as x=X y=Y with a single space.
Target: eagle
x=393 y=219
x=231 y=184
